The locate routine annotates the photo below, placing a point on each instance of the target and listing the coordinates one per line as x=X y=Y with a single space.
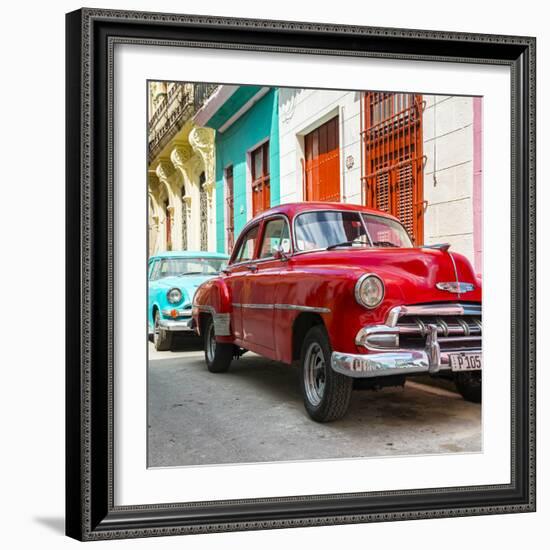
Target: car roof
x=292 y=209
x=189 y=254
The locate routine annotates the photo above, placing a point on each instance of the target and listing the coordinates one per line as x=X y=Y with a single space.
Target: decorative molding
x=181 y=153
x=164 y=170
x=202 y=141
x=287 y=103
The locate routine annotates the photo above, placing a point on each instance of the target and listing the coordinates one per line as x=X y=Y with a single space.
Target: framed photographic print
x=300 y=274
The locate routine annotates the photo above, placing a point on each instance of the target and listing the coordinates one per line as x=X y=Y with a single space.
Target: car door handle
x=252 y=268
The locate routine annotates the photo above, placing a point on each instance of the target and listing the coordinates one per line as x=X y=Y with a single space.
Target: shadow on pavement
x=186 y=343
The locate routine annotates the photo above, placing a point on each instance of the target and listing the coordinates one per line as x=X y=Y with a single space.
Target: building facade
x=181 y=170
x=246 y=126
x=417 y=157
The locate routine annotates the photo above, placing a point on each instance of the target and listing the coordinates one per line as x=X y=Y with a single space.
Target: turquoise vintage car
x=173 y=279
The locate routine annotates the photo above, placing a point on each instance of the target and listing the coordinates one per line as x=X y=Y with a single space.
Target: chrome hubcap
x=314 y=374
x=211 y=344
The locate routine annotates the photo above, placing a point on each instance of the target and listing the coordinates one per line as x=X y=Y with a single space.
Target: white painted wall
x=448 y=172
x=448 y=146
x=300 y=112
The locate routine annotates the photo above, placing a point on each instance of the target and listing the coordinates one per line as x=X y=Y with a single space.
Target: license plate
x=465 y=361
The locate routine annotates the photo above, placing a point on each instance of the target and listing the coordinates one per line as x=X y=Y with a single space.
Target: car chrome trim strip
x=254 y=306
x=177 y=325
x=454 y=267
x=222 y=321
x=222 y=324
x=457 y=287
x=431 y=309
x=294 y=307
x=312 y=309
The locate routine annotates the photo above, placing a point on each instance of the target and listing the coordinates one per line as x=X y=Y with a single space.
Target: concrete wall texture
x=448 y=130
x=448 y=136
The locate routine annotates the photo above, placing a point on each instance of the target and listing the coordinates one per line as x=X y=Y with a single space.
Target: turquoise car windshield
x=180 y=267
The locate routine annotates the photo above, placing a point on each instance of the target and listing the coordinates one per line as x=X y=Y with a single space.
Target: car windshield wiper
x=385 y=243
x=191 y=273
x=347 y=243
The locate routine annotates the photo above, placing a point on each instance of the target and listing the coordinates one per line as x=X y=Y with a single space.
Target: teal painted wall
x=261 y=121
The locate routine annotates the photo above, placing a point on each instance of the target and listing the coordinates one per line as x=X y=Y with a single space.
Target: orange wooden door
x=261 y=196
x=322 y=163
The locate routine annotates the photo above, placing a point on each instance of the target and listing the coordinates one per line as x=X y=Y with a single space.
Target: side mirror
x=280 y=254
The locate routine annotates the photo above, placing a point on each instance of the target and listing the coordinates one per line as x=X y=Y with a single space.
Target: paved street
x=254 y=413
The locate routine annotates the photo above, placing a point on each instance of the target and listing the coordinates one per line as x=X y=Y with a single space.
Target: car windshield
x=331 y=229
x=325 y=228
x=170 y=267
x=386 y=232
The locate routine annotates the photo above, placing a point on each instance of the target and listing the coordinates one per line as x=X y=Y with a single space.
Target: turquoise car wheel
x=161 y=338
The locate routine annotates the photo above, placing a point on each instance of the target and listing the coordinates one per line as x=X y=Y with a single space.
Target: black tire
x=326 y=393
x=218 y=356
x=162 y=339
x=469 y=385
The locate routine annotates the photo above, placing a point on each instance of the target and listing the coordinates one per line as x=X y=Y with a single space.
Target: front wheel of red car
x=218 y=356
x=326 y=393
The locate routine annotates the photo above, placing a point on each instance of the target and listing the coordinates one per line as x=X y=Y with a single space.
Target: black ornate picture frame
x=90 y=510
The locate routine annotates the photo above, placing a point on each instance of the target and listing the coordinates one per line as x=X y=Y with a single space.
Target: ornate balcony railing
x=173 y=110
x=202 y=93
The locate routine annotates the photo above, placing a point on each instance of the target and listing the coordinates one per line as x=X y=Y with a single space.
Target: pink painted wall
x=478 y=184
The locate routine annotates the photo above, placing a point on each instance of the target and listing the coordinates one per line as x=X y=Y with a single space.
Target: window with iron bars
x=392 y=157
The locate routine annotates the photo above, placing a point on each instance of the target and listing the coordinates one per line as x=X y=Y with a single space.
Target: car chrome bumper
x=382 y=360
x=389 y=363
x=178 y=325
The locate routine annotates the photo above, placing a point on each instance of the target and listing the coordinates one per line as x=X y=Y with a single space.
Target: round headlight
x=174 y=295
x=369 y=290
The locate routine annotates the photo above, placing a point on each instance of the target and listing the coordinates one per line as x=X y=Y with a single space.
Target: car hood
x=186 y=283
x=410 y=275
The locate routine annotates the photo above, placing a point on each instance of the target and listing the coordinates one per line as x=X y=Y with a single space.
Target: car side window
x=248 y=245
x=153 y=274
x=276 y=234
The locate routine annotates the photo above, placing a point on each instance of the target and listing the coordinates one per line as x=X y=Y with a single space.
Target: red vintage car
x=342 y=290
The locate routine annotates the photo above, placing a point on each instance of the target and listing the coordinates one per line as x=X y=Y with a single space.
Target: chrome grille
x=454 y=332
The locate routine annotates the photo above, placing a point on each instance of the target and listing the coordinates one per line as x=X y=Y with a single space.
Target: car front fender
x=213 y=298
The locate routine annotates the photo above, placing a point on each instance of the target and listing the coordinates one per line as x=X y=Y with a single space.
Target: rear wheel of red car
x=326 y=393
x=162 y=339
x=218 y=356
x=469 y=385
